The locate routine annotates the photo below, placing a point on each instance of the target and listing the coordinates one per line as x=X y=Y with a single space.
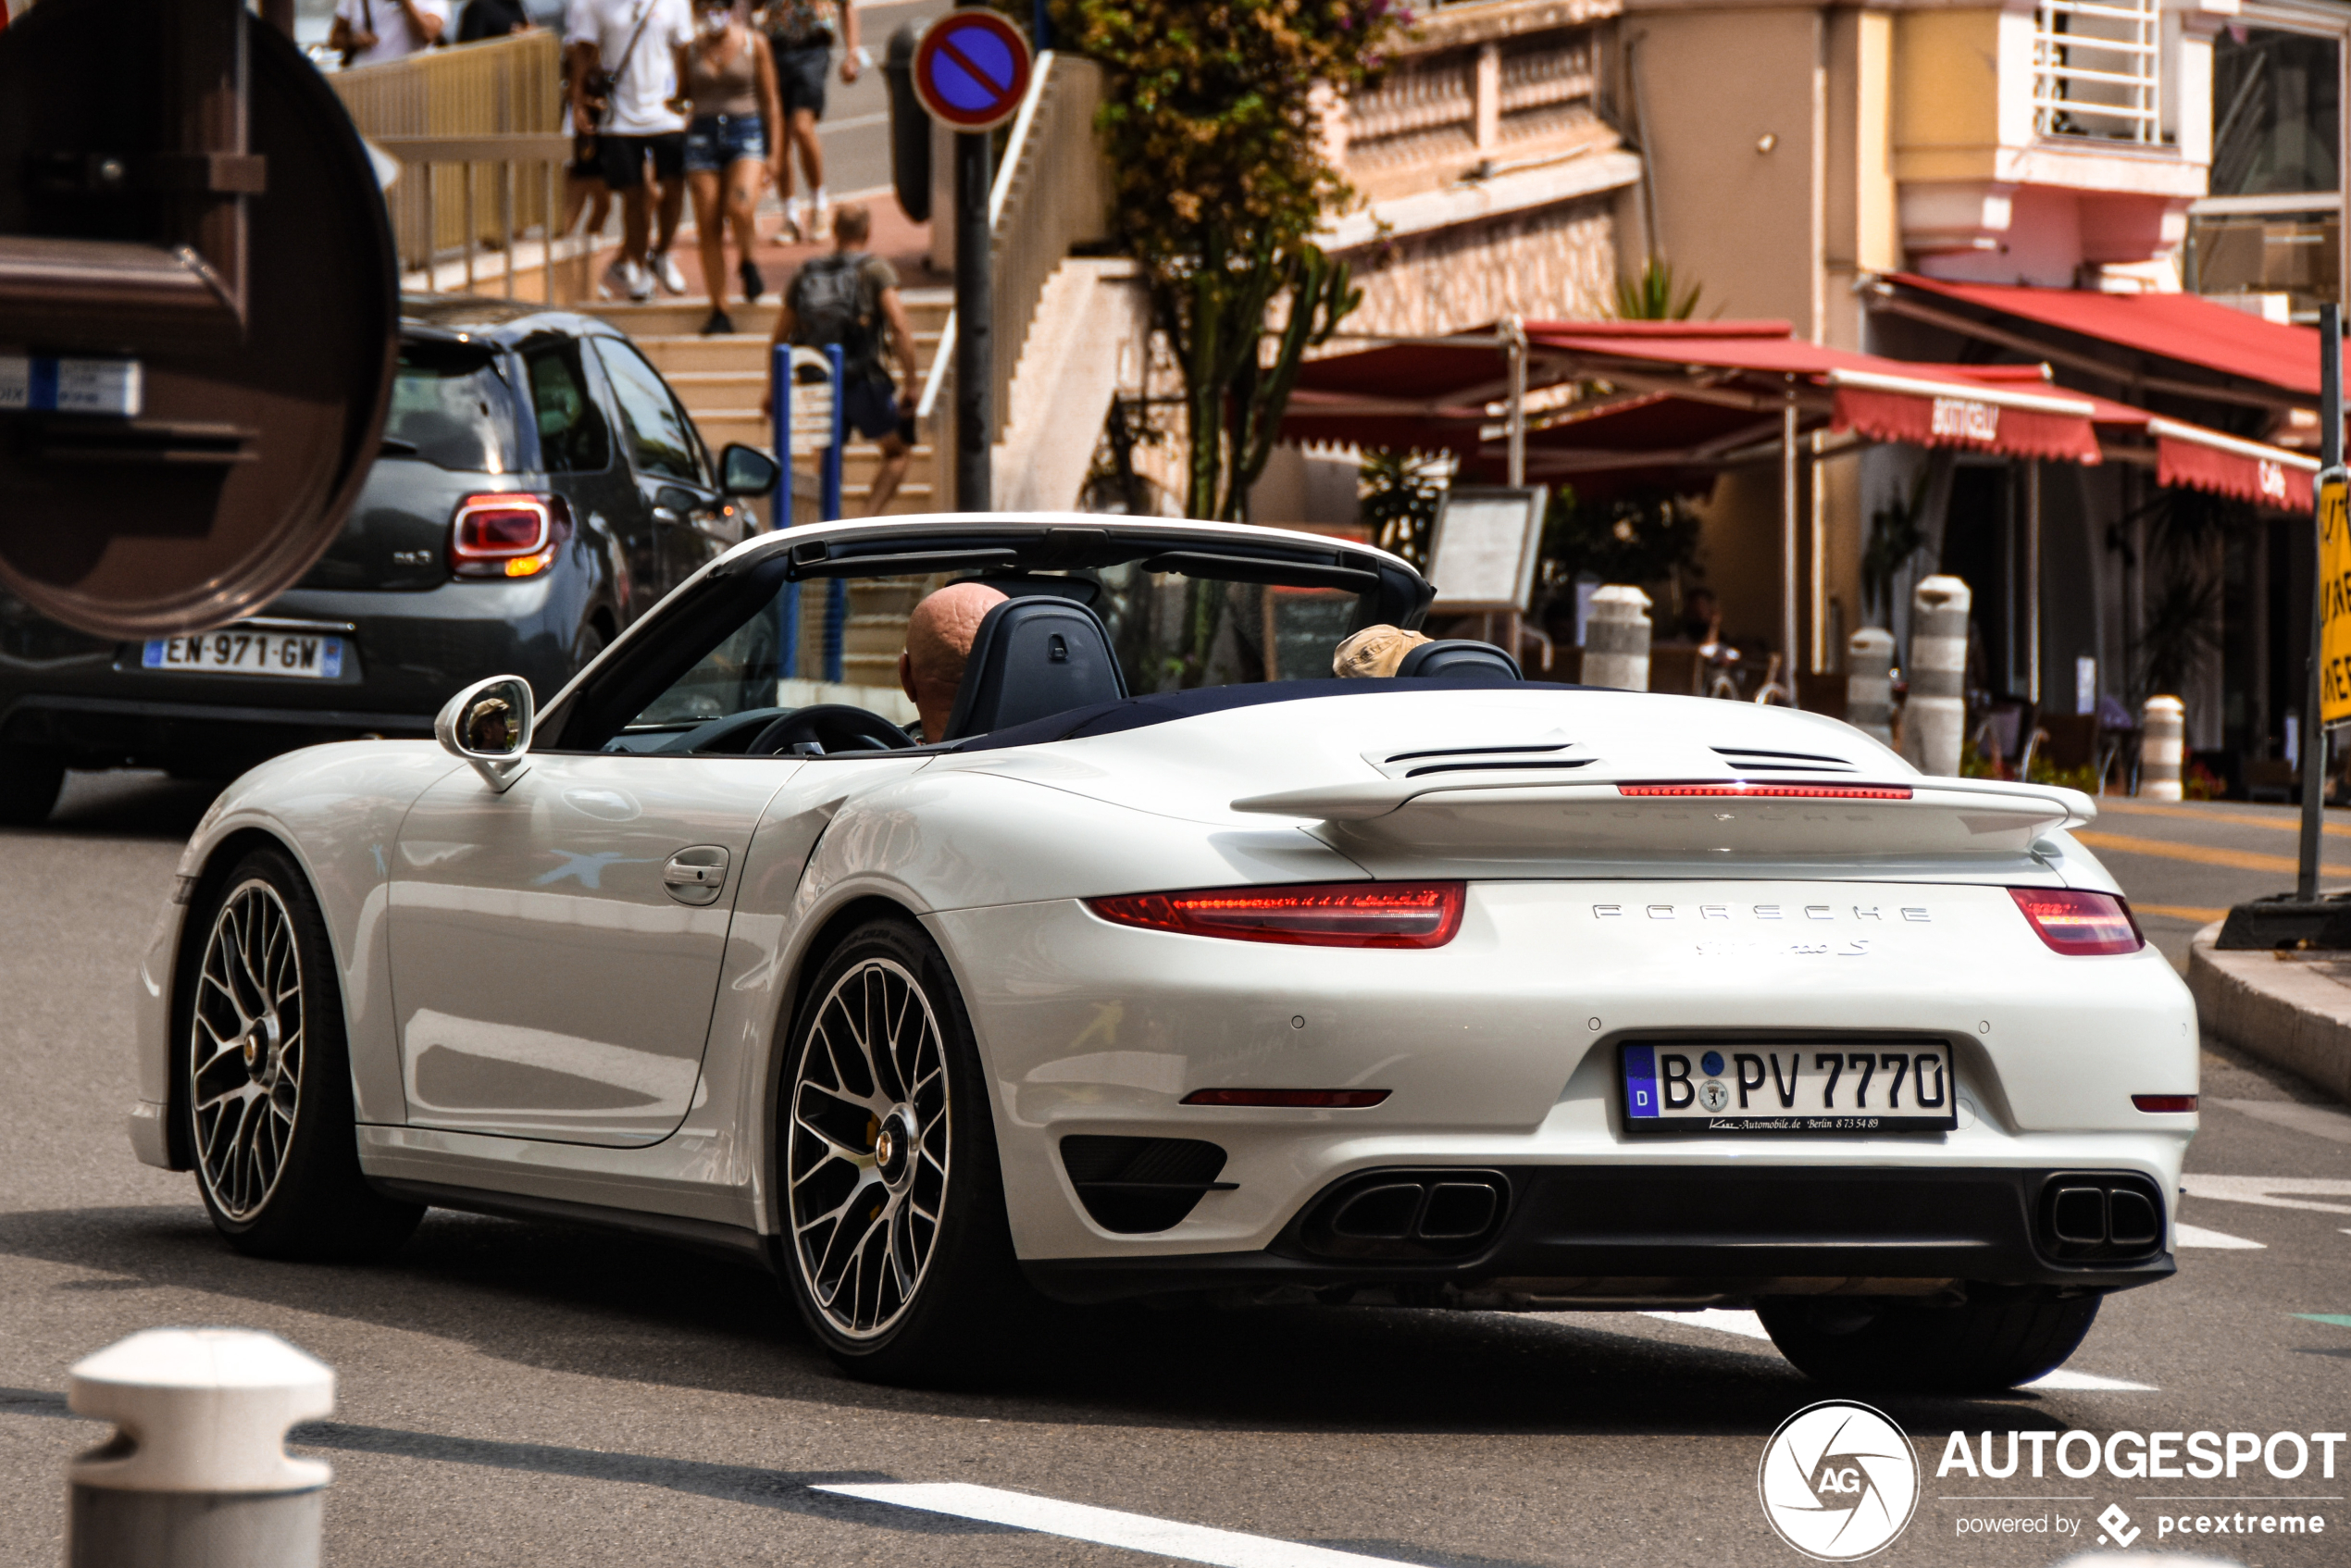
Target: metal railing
x=2097 y=69
x=497 y=89
x=504 y=188
x=1052 y=191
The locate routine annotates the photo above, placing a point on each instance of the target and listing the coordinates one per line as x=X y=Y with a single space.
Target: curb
x=2270 y=1007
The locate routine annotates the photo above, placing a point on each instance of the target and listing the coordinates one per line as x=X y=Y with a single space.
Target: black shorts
x=586 y=163
x=800 y=76
x=623 y=157
x=870 y=408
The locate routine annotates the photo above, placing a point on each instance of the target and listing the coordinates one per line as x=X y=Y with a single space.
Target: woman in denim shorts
x=729 y=77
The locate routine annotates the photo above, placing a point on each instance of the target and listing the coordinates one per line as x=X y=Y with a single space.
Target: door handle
x=667 y=515
x=696 y=875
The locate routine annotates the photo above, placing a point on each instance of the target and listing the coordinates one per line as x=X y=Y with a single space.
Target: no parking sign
x=971 y=70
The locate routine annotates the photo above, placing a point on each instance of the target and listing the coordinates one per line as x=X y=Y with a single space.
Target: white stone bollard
x=197 y=1474
x=1935 y=716
x=1616 y=640
x=1869 y=683
x=2163 y=726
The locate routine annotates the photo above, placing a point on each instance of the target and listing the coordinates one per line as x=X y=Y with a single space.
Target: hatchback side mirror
x=746 y=471
x=488 y=724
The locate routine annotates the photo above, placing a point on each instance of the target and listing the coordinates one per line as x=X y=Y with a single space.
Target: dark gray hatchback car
x=540 y=488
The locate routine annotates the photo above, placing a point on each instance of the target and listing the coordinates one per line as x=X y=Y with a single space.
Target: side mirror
x=746 y=471
x=488 y=724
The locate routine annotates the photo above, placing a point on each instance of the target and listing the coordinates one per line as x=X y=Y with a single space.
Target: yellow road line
x=2180 y=912
x=2201 y=855
x=2124 y=806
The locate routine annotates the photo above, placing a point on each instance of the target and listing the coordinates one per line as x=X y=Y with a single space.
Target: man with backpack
x=851 y=298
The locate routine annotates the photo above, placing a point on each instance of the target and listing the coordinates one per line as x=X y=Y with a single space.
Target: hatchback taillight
x=507 y=534
x=2081 y=923
x=1318 y=914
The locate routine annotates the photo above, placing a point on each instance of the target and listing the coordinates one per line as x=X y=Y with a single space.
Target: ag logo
x=1838 y=1481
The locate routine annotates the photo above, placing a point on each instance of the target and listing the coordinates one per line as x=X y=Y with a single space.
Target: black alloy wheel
x=266 y=1087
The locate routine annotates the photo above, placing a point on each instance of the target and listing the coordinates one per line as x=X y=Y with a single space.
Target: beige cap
x=1374 y=650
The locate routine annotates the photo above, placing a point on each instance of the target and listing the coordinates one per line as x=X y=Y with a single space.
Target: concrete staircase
x=721 y=379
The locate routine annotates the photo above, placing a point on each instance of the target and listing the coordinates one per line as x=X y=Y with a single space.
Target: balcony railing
x=2097 y=69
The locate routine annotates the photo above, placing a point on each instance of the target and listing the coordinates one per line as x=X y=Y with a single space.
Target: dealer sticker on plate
x=1847 y=1086
x=302 y=655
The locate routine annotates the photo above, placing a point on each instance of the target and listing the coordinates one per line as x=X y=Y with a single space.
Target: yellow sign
x=2335 y=598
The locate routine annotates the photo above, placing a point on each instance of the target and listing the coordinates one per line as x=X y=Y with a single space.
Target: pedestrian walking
x=851 y=298
x=369 y=32
x=624 y=84
x=730 y=82
x=492 y=18
x=801 y=34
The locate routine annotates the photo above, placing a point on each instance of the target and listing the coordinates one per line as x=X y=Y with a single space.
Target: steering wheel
x=837 y=726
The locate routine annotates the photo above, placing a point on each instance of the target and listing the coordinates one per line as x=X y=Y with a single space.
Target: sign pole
x=2332 y=546
x=972 y=69
x=975 y=308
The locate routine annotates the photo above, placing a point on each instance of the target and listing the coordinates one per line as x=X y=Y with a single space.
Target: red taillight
x=1291 y=1099
x=508 y=533
x=1774 y=791
x=1322 y=915
x=2080 y=922
x=2164 y=1104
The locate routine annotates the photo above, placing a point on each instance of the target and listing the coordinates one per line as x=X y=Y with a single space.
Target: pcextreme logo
x=1838 y=1481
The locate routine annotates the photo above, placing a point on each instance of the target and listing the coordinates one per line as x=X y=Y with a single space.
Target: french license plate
x=305 y=655
x=1847 y=1086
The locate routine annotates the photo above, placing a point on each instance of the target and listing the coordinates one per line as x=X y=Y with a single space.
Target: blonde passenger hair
x=1373 y=652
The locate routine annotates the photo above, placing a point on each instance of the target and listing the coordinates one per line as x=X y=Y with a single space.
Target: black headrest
x=1034 y=657
x=1481 y=662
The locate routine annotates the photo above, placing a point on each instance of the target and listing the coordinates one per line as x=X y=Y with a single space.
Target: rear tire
x=897 y=1252
x=1995 y=1340
x=267 y=1104
x=29 y=783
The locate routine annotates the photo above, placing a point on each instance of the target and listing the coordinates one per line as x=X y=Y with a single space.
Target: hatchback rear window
x=452 y=407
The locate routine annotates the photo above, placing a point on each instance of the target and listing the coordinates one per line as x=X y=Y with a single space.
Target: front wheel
x=1996 y=1340
x=899 y=1255
x=267 y=1092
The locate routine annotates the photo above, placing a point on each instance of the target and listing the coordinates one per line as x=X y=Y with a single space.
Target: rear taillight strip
x=1772 y=791
x=2078 y=923
x=1385 y=915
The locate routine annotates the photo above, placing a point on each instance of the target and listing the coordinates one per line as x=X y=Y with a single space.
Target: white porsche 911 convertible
x=1174 y=968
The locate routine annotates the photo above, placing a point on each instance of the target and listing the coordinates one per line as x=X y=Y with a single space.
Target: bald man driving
x=939 y=644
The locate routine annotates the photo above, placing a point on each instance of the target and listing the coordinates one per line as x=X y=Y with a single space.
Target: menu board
x=1486 y=547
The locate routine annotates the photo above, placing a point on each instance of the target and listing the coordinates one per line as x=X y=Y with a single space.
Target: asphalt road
x=521 y=1394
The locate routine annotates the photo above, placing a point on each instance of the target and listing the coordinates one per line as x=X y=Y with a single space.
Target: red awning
x=1994 y=418
x=2248 y=470
x=2188 y=329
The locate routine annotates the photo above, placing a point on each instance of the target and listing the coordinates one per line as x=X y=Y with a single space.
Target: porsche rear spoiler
x=1839 y=818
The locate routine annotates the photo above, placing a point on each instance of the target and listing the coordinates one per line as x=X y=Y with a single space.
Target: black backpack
x=830 y=306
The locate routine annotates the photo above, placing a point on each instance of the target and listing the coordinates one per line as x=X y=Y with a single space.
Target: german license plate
x=303 y=655
x=1851 y=1085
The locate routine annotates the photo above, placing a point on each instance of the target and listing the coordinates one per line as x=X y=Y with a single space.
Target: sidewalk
x=2291 y=1010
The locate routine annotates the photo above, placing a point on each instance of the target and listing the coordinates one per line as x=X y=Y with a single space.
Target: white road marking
x=2064 y=1380
x=2264 y=1191
x=1105 y=1526
x=1746 y=1325
x=2315 y=1120
x=2196 y=1236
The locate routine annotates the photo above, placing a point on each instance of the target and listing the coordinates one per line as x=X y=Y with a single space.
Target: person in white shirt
x=371 y=32
x=634 y=43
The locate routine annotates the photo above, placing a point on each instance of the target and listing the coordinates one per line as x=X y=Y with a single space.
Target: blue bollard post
x=836 y=590
x=787 y=598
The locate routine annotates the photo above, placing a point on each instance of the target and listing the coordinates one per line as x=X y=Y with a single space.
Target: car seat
x=1034 y=656
x=1479 y=663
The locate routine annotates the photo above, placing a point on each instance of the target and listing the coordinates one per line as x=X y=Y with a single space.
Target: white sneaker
x=665 y=269
x=617 y=281
x=792 y=230
x=641 y=282
x=821 y=224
